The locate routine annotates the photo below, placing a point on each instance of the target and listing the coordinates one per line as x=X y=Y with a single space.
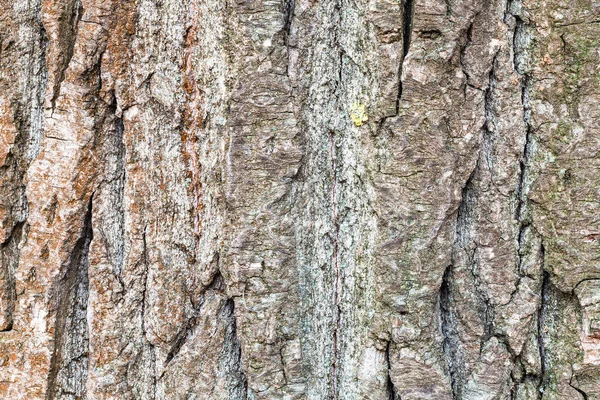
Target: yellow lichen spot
x=358 y=114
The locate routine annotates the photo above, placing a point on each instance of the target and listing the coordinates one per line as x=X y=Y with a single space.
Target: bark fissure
x=541 y=330
x=288 y=16
x=146 y=264
x=9 y=257
x=238 y=382
x=333 y=150
x=451 y=344
x=391 y=389
x=121 y=177
x=69 y=362
x=580 y=391
x=69 y=25
x=188 y=328
x=408 y=10
x=463 y=49
x=336 y=267
x=27 y=117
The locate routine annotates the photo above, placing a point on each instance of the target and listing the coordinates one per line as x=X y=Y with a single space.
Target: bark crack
x=69 y=362
x=238 y=382
x=391 y=389
x=408 y=9
x=580 y=391
x=541 y=324
x=146 y=264
x=188 y=328
x=69 y=25
x=451 y=344
x=336 y=289
x=9 y=256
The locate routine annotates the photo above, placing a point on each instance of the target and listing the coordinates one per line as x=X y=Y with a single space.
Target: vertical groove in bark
x=67 y=31
x=391 y=389
x=408 y=10
x=69 y=364
x=121 y=178
x=541 y=327
x=188 y=327
x=9 y=259
x=24 y=91
x=37 y=80
x=232 y=356
x=336 y=266
x=451 y=343
x=144 y=301
x=288 y=16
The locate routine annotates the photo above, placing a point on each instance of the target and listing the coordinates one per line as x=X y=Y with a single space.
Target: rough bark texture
x=300 y=199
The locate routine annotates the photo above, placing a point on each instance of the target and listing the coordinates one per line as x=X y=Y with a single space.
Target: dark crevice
x=9 y=257
x=27 y=114
x=336 y=269
x=520 y=65
x=152 y=349
x=282 y=361
x=237 y=381
x=541 y=324
x=391 y=389
x=69 y=362
x=451 y=344
x=463 y=49
x=335 y=218
x=288 y=16
x=581 y=392
x=145 y=284
x=119 y=177
x=519 y=41
x=186 y=331
x=68 y=27
x=180 y=339
x=490 y=116
x=407 y=24
x=486 y=312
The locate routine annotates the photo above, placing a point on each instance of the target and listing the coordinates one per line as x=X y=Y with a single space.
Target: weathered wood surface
x=300 y=199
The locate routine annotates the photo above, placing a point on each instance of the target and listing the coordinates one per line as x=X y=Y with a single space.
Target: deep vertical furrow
x=120 y=189
x=69 y=363
x=407 y=23
x=9 y=258
x=408 y=13
x=69 y=23
x=391 y=389
x=24 y=89
x=232 y=356
x=336 y=268
x=144 y=301
x=520 y=65
x=541 y=327
x=521 y=39
x=448 y=326
x=337 y=283
x=288 y=16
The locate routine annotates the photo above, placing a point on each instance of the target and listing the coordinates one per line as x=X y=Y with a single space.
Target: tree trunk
x=300 y=199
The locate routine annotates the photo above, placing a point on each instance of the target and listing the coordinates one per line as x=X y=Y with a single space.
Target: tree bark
x=299 y=199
